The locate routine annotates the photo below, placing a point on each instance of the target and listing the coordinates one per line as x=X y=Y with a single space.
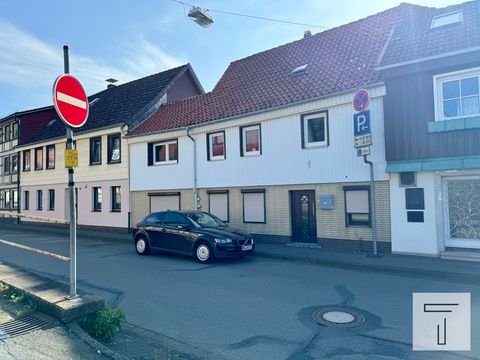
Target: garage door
x=164 y=202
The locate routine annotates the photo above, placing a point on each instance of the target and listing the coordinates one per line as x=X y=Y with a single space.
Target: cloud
x=31 y=65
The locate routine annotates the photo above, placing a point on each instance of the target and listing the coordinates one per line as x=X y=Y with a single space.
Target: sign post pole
x=362 y=140
x=372 y=202
x=71 y=194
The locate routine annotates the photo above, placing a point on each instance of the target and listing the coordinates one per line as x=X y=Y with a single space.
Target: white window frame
x=305 y=119
x=439 y=79
x=244 y=130
x=250 y=218
x=167 y=152
x=216 y=200
x=356 y=208
x=210 y=137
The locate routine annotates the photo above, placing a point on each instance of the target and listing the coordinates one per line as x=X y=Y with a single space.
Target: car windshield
x=205 y=220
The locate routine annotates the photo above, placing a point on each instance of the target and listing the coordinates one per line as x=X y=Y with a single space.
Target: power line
x=254 y=17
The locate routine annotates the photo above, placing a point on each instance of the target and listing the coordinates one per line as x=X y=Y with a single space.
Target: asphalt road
x=249 y=308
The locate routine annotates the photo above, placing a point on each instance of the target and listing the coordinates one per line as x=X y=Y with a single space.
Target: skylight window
x=51 y=122
x=300 y=70
x=447 y=19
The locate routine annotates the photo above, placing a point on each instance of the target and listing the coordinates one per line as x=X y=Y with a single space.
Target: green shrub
x=27 y=306
x=105 y=324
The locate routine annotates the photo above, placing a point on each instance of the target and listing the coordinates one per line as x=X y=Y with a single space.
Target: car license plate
x=246 y=247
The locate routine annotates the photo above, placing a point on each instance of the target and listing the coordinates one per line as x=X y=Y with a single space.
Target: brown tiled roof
x=339 y=59
x=413 y=39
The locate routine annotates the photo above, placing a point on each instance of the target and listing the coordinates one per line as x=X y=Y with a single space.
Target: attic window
x=51 y=122
x=93 y=101
x=300 y=70
x=447 y=19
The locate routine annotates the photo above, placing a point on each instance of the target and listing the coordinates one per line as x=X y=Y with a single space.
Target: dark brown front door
x=304 y=224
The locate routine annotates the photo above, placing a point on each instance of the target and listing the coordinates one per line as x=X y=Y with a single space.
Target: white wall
x=283 y=161
x=418 y=238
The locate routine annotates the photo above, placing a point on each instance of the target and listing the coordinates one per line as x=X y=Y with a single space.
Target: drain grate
x=22 y=326
x=339 y=317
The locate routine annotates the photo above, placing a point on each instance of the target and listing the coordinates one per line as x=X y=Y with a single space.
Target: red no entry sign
x=360 y=100
x=70 y=100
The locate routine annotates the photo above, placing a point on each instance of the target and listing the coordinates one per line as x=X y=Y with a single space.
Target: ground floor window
x=218 y=204
x=357 y=205
x=26 y=200
x=51 y=199
x=254 y=206
x=116 y=197
x=39 y=199
x=164 y=201
x=97 y=199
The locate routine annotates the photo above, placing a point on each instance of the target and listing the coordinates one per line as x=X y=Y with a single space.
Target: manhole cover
x=340 y=317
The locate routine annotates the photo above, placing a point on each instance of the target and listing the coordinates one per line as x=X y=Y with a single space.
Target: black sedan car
x=196 y=233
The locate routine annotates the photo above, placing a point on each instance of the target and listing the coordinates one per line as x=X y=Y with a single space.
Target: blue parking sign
x=361 y=123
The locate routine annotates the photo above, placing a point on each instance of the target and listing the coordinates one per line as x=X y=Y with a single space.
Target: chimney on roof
x=111 y=82
x=307 y=33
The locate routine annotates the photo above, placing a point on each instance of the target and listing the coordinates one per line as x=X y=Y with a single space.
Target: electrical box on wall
x=326 y=202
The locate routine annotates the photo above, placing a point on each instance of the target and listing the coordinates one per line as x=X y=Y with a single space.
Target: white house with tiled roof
x=271 y=148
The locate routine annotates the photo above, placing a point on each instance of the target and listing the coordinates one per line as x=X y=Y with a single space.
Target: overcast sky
x=127 y=39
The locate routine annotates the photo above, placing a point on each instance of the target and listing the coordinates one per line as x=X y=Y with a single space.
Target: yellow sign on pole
x=71 y=158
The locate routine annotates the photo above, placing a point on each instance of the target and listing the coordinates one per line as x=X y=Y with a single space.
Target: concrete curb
x=94 y=344
x=402 y=271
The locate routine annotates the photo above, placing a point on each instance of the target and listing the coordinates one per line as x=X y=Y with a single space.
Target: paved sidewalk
x=420 y=266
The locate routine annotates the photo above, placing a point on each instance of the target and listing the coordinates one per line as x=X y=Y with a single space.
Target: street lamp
x=200 y=16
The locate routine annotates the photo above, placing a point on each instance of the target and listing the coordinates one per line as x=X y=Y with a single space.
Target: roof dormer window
x=447 y=19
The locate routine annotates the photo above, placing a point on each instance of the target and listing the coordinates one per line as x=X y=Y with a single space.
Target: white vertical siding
x=168 y=176
x=282 y=162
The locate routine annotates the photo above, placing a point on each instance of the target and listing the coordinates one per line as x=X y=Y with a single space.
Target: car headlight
x=222 y=241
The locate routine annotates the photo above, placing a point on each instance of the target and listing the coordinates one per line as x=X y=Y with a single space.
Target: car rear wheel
x=141 y=246
x=203 y=253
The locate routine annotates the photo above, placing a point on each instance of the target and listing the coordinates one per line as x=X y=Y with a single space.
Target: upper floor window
x=14 y=164
x=15 y=130
x=95 y=150
x=216 y=146
x=165 y=152
x=250 y=140
x=7 y=132
x=39 y=158
x=26 y=160
x=458 y=95
x=6 y=165
x=114 y=149
x=51 y=157
x=315 y=130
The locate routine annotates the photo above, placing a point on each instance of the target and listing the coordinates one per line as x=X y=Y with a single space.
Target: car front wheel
x=141 y=246
x=203 y=253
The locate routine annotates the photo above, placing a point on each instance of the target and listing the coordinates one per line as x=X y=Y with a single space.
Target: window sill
x=114 y=162
x=165 y=163
x=251 y=154
x=97 y=210
x=94 y=164
x=115 y=211
x=307 y=147
x=216 y=159
x=465 y=123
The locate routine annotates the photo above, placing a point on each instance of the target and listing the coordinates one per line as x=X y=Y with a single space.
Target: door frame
x=460 y=243
x=312 y=214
